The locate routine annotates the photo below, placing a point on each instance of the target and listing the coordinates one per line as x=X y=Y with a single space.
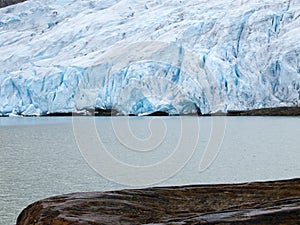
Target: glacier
x=138 y=57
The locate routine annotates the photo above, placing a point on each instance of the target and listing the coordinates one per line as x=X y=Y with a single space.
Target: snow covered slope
x=139 y=56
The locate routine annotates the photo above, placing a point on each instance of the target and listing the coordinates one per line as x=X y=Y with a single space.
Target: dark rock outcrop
x=275 y=202
x=279 y=111
x=4 y=3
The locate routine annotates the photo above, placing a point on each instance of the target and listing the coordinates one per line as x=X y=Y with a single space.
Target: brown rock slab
x=276 y=202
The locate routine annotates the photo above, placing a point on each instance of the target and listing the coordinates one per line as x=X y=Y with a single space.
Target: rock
x=277 y=111
x=276 y=202
x=4 y=3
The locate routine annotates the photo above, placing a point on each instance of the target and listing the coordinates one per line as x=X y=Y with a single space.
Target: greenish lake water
x=42 y=157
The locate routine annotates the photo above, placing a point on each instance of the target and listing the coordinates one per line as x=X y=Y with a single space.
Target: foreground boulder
x=275 y=202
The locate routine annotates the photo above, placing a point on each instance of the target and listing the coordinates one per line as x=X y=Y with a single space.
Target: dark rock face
x=280 y=111
x=4 y=3
x=275 y=202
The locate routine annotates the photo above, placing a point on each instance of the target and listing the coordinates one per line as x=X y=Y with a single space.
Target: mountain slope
x=4 y=3
x=138 y=57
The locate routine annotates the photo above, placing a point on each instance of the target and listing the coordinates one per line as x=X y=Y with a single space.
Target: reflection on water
x=40 y=156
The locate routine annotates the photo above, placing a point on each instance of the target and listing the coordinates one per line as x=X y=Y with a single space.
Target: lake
x=42 y=157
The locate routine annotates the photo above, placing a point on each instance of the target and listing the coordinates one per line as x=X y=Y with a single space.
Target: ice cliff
x=140 y=56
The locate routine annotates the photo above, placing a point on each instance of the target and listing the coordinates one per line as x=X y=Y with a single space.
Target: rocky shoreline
x=273 y=202
x=279 y=111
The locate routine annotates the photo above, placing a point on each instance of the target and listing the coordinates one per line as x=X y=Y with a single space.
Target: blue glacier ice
x=138 y=57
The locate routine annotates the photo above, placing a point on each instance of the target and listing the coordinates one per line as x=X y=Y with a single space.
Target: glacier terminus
x=138 y=57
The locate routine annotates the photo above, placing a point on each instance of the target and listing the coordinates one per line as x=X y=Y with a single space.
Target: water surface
x=40 y=156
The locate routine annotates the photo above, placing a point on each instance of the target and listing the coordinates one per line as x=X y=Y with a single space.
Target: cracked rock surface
x=275 y=202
